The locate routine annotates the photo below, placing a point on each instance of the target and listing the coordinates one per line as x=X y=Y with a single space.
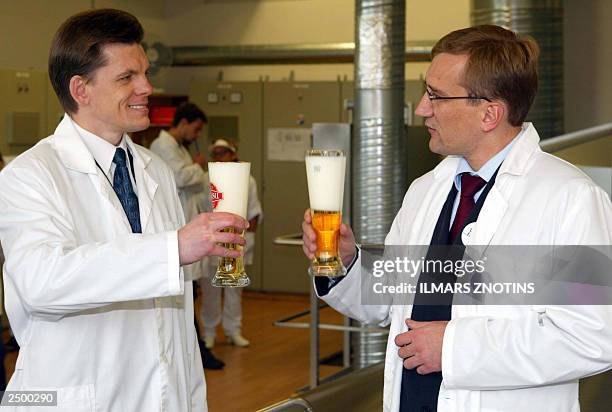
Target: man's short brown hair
x=77 y=48
x=501 y=65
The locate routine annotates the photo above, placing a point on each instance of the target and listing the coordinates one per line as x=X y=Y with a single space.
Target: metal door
x=290 y=105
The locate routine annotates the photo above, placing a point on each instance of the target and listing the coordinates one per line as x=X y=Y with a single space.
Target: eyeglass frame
x=432 y=96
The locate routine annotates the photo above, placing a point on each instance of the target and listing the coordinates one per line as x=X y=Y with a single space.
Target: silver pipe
x=379 y=159
x=418 y=51
x=330 y=326
x=313 y=358
x=543 y=20
x=379 y=165
x=576 y=138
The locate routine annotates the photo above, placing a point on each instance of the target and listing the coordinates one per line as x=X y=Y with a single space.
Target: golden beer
x=327 y=226
x=325 y=171
x=229 y=191
x=230 y=270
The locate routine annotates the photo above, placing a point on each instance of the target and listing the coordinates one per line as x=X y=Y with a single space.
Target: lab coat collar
x=527 y=144
x=516 y=163
x=71 y=149
x=76 y=156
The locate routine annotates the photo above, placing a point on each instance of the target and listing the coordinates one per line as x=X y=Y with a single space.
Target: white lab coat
x=191 y=184
x=504 y=358
x=102 y=316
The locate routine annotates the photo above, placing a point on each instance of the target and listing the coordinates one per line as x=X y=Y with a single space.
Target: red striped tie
x=470 y=185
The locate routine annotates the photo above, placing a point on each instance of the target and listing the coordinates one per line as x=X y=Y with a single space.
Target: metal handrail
x=564 y=141
x=287 y=323
x=287 y=404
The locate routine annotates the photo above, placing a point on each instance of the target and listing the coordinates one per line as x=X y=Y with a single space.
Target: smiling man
x=94 y=238
x=495 y=178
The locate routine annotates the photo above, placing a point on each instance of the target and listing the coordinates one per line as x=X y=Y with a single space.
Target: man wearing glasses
x=496 y=180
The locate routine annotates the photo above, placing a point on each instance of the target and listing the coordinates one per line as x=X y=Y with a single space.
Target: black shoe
x=208 y=359
x=11 y=345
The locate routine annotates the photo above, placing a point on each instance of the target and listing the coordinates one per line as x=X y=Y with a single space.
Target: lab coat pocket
x=69 y=399
x=76 y=399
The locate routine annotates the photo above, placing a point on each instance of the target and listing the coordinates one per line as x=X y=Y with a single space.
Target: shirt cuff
x=175 y=273
x=323 y=285
x=448 y=343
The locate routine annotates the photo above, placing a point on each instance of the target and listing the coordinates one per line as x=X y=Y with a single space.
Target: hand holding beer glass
x=229 y=192
x=325 y=171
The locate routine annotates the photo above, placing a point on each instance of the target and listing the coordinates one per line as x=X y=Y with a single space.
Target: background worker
x=225 y=150
x=172 y=147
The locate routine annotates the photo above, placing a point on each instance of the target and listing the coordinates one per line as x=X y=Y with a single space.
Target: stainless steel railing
x=576 y=138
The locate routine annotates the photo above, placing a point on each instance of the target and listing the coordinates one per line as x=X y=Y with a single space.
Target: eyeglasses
x=432 y=96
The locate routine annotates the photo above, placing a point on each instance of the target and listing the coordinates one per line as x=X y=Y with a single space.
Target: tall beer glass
x=229 y=192
x=325 y=173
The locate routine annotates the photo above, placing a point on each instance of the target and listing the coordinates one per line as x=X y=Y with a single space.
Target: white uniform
x=103 y=316
x=190 y=181
x=504 y=358
x=231 y=316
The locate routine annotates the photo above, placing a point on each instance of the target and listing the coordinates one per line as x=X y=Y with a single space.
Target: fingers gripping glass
x=433 y=96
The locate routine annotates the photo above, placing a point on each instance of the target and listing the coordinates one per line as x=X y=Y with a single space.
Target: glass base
x=221 y=280
x=329 y=271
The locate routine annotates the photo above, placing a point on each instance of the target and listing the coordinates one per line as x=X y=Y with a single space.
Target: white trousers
x=211 y=312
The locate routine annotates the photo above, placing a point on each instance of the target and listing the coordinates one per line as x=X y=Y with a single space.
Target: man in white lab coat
x=94 y=239
x=191 y=182
x=479 y=88
x=230 y=314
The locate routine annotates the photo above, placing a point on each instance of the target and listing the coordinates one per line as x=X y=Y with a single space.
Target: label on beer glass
x=215 y=195
x=229 y=189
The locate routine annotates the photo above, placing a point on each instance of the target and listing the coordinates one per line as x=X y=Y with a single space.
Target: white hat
x=222 y=143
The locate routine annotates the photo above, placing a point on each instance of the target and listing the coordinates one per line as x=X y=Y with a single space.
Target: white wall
x=27 y=26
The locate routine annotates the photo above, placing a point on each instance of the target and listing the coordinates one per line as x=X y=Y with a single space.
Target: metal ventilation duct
x=418 y=51
x=379 y=160
x=160 y=55
x=543 y=20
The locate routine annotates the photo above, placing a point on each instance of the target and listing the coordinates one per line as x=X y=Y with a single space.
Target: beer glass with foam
x=325 y=173
x=229 y=192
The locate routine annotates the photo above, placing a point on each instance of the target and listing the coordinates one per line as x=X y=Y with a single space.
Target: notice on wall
x=288 y=144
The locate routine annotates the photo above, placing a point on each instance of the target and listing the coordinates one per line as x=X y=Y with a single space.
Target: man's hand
x=421 y=346
x=201 y=236
x=347 y=240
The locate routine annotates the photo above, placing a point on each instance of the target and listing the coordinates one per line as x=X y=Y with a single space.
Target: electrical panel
x=22 y=109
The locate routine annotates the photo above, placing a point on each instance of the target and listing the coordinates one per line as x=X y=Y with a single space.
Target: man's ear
x=494 y=114
x=78 y=90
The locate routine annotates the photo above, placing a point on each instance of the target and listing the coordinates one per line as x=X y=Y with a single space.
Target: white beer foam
x=325 y=176
x=232 y=180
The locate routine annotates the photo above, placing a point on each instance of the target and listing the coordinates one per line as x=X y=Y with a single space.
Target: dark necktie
x=470 y=185
x=124 y=190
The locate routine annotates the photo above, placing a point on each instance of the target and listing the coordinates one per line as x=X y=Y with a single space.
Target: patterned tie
x=470 y=185
x=123 y=187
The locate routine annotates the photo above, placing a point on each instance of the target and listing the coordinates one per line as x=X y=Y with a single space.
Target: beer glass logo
x=215 y=195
